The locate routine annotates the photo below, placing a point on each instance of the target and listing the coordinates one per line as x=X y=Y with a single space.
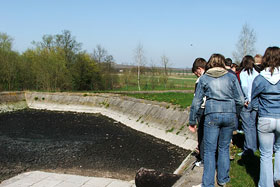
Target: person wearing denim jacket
x=266 y=99
x=198 y=69
x=224 y=99
x=248 y=116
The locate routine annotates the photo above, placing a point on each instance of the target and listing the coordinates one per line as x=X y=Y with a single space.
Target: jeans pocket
x=211 y=120
x=264 y=125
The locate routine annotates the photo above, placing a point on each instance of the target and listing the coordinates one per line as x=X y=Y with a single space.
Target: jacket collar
x=274 y=78
x=216 y=72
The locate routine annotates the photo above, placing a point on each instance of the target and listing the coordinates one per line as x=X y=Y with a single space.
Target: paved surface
x=192 y=175
x=45 y=179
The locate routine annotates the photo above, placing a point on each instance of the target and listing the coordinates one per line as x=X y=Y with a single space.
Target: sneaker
x=240 y=131
x=199 y=164
x=240 y=154
x=222 y=184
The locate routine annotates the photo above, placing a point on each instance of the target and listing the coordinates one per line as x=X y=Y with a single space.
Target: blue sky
x=182 y=30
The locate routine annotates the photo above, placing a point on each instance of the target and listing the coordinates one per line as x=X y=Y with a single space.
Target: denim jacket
x=222 y=91
x=266 y=94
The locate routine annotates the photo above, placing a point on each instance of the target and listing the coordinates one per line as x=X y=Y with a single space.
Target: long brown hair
x=271 y=58
x=247 y=64
x=216 y=60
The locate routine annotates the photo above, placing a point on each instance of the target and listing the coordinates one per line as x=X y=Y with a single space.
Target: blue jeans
x=218 y=128
x=269 y=138
x=248 y=118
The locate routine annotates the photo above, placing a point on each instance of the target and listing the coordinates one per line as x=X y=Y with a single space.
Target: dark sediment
x=79 y=143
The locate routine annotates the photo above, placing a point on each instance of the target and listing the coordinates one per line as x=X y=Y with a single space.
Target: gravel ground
x=79 y=143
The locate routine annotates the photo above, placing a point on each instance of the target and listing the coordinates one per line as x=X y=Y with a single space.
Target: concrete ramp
x=10 y=101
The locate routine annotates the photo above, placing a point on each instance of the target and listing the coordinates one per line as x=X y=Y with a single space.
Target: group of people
x=225 y=93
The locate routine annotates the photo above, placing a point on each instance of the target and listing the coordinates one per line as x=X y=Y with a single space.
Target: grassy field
x=242 y=172
x=182 y=99
x=148 y=82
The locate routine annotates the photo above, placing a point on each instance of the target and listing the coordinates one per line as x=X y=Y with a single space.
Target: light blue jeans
x=218 y=128
x=248 y=118
x=269 y=138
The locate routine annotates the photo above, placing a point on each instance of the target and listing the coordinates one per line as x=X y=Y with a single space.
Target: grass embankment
x=175 y=98
x=242 y=172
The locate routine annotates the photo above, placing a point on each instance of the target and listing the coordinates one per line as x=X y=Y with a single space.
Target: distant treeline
x=57 y=63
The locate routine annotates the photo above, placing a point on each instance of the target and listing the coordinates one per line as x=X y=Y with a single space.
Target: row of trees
x=56 y=63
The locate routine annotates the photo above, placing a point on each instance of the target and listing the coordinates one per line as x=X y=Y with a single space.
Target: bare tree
x=245 y=44
x=165 y=63
x=69 y=44
x=100 y=54
x=105 y=63
x=153 y=69
x=140 y=61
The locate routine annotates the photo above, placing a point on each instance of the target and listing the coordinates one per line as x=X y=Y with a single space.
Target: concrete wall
x=10 y=101
x=161 y=120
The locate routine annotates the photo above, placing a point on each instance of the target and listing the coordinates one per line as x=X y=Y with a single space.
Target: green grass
x=182 y=99
x=148 y=87
x=244 y=173
x=148 y=82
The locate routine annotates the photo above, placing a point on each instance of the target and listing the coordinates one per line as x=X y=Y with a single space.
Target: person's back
x=247 y=76
x=220 y=97
x=266 y=99
x=246 y=81
x=247 y=116
x=269 y=98
x=222 y=91
x=228 y=64
x=223 y=95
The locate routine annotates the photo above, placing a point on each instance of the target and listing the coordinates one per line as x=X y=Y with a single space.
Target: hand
x=192 y=128
x=246 y=104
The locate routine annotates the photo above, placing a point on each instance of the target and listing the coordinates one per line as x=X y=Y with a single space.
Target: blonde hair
x=258 y=59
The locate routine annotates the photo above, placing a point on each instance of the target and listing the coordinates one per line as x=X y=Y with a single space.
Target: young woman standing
x=266 y=99
x=224 y=99
x=247 y=115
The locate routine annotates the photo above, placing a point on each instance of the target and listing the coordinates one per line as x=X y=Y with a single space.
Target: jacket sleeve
x=257 y=88
x=196 y=103
x=238 y=96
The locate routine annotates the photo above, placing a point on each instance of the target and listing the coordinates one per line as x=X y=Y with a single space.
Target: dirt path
x=76 y=143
